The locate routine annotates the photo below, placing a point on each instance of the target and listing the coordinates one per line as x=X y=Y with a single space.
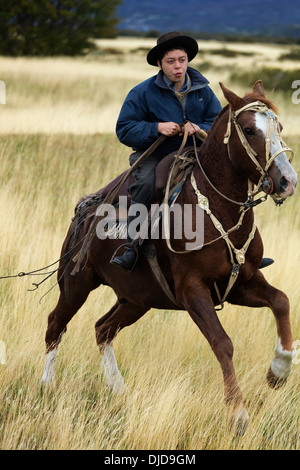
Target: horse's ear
x=258 y=88
x=234 y=100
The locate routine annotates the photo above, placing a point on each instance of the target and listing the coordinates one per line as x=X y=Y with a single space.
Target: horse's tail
x=78 y=231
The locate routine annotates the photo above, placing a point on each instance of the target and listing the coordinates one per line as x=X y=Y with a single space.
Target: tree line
x=68 y=27
x=55 y=27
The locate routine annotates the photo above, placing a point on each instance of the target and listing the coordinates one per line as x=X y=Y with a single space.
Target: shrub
x=294 y=54
x=273 y=78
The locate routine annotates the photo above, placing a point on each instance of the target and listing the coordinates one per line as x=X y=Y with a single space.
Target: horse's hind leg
x=70 y=301
x=120 y=316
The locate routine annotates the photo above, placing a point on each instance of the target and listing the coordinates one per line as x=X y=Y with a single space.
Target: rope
x=37 y=272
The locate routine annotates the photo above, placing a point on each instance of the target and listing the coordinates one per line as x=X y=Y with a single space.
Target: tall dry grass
x=84 y=95
x=174 y=396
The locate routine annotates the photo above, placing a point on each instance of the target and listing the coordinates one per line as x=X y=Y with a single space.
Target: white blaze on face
x=281 y=161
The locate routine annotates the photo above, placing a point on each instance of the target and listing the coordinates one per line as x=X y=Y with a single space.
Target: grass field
x=57 y=143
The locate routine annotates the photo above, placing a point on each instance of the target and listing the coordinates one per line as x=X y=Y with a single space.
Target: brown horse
x=244 y=144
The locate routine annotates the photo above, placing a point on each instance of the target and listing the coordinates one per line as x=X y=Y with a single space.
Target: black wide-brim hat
x=170 y=41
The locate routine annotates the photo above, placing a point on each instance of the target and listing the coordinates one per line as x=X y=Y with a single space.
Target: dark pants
x=142 y=190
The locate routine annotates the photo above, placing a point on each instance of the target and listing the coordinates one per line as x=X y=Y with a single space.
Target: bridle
x=265 y=183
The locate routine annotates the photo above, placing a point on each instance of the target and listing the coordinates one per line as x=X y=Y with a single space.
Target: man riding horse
x=159 y=106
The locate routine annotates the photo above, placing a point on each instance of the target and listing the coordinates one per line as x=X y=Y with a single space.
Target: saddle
x=174 y=165
x=185 y=163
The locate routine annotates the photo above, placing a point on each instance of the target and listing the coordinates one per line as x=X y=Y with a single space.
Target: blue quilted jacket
x=152 y=101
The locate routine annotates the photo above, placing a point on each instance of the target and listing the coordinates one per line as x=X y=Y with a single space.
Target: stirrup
x=120 y=261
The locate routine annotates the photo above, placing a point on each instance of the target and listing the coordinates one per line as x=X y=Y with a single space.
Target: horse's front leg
x=259 y=293
x=197 y=300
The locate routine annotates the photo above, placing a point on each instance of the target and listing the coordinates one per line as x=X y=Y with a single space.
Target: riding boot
x=128 y=260
x=266 y=262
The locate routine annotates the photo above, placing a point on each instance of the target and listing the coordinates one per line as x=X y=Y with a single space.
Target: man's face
x=174 y=65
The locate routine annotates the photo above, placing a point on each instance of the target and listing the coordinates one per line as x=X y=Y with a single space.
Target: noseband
x=265 y=183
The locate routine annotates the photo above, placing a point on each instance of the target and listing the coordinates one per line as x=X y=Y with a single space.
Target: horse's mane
x=252 y=96
x=248 y=98
x=217 y=118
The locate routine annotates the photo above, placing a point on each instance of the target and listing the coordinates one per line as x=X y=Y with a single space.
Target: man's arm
x=132 y=127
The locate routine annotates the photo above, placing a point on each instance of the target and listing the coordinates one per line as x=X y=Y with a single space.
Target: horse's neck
x=226 y=181
x=217 y=166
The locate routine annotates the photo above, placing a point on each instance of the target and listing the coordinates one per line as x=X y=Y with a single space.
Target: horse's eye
x=248 y=131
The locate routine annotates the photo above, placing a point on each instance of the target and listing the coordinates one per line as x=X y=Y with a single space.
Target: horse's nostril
x=283 y=182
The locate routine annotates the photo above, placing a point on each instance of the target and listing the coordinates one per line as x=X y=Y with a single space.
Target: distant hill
x=273 y=18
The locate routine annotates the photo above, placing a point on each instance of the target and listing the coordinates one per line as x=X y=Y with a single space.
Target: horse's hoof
x=116 y=384
x=238 y=420
x=48 y=383
x=274 y=381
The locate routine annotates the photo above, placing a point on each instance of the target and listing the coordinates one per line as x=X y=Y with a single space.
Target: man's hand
x=191 y=128
x=169 y=128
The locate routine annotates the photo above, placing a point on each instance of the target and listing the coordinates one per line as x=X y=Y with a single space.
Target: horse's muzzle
x=284 y=188
x=284 y=179
x=287 y=188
